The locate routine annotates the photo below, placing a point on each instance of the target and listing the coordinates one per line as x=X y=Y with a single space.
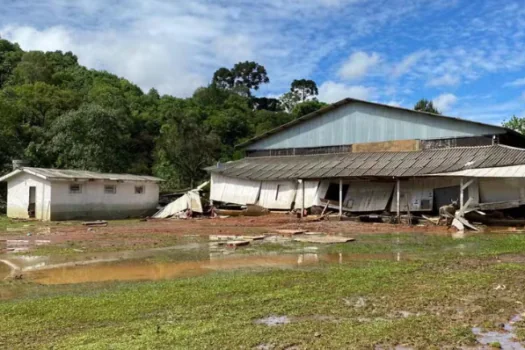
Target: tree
x=425 y=105
x=184 y=149
x=267 y=104
x=307 y=107
x=243 y=77
x=10 y=56
x=304 y=89
x=516 y=124
x=289 y=100
x=90 y=138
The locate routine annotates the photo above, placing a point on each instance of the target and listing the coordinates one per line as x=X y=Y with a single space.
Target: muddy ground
x=184 y=284
x=134 y=233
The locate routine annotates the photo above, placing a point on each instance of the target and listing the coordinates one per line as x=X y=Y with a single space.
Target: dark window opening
x=31 y=210
x=333 y=192
x=110 y=189
x=75 y=188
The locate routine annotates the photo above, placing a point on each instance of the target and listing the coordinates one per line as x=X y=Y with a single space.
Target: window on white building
x=75 y=188
x=139 y=189
x=110 y=189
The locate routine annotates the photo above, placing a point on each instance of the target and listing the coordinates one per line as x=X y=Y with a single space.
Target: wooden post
x=398 y=199
x=461 y=192
x=340 y=198
x=302 y=199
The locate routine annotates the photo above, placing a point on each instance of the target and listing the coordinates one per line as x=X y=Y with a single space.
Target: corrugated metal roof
x=402 y=164
x=69 y=174
x=347 y=101
x=504 y=171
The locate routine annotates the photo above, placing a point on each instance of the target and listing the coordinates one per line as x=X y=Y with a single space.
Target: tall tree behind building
x=425 y=105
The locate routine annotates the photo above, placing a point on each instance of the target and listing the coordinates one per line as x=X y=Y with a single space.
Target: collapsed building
x=360 y=157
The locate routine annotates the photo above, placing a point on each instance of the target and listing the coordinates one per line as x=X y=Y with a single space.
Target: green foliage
x=244 y=75
x=56 y=113
x=304 y=89
x=10 y=56
x=91 y=137
x=307 y=107
x=185 y=147
x=425 y=105
x=516 y=124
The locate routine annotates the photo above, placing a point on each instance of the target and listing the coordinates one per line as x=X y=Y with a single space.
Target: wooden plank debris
x=290 y=232
x=499 y=205
x=431 y=220
x=252 y=238
x=324 y=239
x=98 y=223
x=466 y=223
x=223 y=237
x=233 y=244
x=458 y=224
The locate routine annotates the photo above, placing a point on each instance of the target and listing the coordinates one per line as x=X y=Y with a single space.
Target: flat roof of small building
x=77 y=175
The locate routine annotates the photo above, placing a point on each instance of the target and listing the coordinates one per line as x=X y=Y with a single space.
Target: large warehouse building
x=360 y=156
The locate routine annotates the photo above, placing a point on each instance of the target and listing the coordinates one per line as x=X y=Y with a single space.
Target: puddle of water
x=20 y=245
x=506 y=337
x=125 y=270
x=5 y=270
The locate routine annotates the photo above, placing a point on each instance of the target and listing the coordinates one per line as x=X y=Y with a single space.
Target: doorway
x=31 y=209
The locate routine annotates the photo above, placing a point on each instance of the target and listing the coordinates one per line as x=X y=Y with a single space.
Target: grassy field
x=432 y=298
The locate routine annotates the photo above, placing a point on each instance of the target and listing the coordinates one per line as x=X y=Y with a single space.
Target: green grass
x=432 y=301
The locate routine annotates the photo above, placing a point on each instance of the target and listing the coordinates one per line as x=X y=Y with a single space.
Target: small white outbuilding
x=59 y=194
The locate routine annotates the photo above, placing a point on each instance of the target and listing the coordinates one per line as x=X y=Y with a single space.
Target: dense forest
x=57 y=113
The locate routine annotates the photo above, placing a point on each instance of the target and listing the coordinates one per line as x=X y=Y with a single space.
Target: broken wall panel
x=501 y=190
x=277 y=194
x=234 y=190
x=420 y=193
x=368 y=196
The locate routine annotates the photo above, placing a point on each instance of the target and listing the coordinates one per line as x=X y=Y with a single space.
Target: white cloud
x=444 y=80
x=331 y=92
x=408 y=62
x=149 y=61
x=395 y=103
x=358 y=65
x=444 y=102
x=516 y=83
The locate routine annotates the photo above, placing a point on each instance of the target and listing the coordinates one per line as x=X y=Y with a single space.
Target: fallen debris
x=98 y=223
x=223 y=237
x=255 y=210
x=431 y=220
x=252 y=238
x=290 y=232
x=233 y=244
x=190 y=202
x=324 y=239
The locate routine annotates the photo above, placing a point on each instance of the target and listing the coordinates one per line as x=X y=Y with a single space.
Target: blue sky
x=466 y=55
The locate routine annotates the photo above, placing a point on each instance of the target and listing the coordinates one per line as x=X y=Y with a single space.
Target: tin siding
x=234 y=190
x=272 y=199
x=361 y=123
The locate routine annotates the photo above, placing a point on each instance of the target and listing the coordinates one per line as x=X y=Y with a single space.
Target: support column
x=302 y=199
x=340 y=198
x=461 y=194
x=398 y=200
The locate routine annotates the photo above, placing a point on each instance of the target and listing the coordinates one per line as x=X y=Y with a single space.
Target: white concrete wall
x=94 y=203
x=18 y=196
